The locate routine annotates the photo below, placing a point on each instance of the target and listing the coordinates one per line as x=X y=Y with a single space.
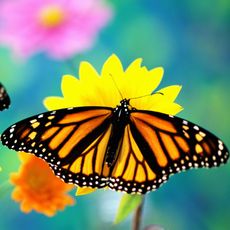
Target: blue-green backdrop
x=190 y=39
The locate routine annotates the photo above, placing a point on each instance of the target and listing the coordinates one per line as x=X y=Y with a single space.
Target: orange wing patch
x=157 y=122
x=49 y=133
x=182 y=143
x=80 y=117
x=170 y=147
x=150 y=135
x=25 y=133
x=91 y=160
x=131 y=165
x=79 y=133
x=60 y=136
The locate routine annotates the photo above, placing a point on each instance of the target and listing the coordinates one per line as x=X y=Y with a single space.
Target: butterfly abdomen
x=119 y=120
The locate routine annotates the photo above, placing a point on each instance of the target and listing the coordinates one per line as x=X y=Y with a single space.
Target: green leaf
x=127 y=205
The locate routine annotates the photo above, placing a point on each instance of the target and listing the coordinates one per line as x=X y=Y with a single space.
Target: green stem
x=137 y=216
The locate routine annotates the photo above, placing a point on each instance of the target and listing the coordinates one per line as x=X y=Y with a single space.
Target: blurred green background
x=190 y=39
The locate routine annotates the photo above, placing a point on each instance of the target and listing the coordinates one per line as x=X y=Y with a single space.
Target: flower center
x=37 y=180
x=51 y=16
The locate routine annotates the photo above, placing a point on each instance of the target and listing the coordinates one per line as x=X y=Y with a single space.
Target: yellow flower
x=103 y=90
x=37 y=188
x=108 y=88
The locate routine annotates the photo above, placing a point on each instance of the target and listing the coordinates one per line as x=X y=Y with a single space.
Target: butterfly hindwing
x=89 y=168
x=132 y=172
x=4 y=98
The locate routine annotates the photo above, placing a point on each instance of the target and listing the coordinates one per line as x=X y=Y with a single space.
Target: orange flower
x=38 y=189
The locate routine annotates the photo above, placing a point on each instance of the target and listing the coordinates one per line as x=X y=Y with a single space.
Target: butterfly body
x=120 y=118
x=4 y=98
x=122 y=148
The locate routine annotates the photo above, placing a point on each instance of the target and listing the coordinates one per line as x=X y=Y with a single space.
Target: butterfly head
x=124 y=102
x=125 y=106
x=122 y=111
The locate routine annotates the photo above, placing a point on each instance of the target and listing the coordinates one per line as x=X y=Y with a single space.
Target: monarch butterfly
x=4 y=98
x=122 y=148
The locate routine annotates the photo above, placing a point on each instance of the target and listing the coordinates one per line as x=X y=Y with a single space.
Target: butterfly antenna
x=147 y=95
x=116 y=86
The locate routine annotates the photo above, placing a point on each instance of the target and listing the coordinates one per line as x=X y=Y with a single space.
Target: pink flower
x=61 y=28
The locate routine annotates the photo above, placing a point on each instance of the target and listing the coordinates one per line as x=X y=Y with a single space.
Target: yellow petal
x=152 y=80
x=132 y=68
x=78 y=92
x=141 y=82
x=83 y=191
x=157 y=103
x=112 y=67
x=92 y=85
x=168 y=108
x=133 y=82
x=53 y=103
x=71 y=87
x=115 y=84
x=87 y=73
x=171 y=92
x=148 y=102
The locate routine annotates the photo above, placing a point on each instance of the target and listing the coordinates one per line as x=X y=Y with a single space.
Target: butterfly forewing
x=72 y=141
x=4 y=98
x=171 y=144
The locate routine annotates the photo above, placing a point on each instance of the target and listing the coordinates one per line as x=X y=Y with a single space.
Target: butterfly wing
x=157 y=145
x=72 y=141
x=4 y=98
x=154 y=146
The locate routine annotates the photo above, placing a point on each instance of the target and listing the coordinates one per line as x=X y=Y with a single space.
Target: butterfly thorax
x=121 y=112
x=120 y=119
